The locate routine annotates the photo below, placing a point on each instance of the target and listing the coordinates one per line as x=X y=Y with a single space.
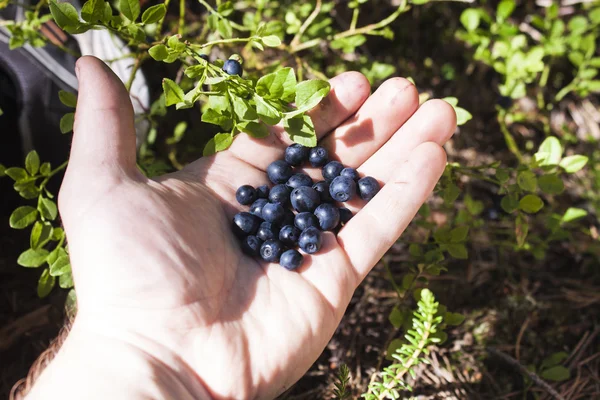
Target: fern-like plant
x=409 y=355
x=341 y=386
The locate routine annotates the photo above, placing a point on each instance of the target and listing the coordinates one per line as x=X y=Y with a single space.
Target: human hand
x=161 y=279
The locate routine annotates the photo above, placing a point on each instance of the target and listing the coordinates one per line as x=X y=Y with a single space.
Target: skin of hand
x=168 y=306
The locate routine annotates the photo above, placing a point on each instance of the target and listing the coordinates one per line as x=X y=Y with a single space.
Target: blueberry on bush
x=279 y=171
x=251 y=245
x=291 y=259
x=305 y=198
x=310 y=240
x=318 y=156
x=245 y=195
x=273 y=212
x=204 y=57
x=299 y=180
x=331 y=170
x=342 y=189
x=289 y=235
x=296 y=154
x=245 y=224
x=232 y=67
x=328 y=215
x=271 y=250
x=280 y=194
x=305 y=220
x=368 y=187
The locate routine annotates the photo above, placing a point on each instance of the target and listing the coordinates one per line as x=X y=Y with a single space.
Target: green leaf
x=154 y=14
x=173 y=93
x=576 y=58
x=271 y=41
x=551 y=184
x=66 y=122
x=457 y=250
x=41 y=233
x=573 y=214
x=557 y=373
x=510 y=203
x=17 y=174
x=459 y=234
x=45 y=284
x=267 y=113
x=2 y=170
x=22 y=217
x=453 y=319
x=505 y=9
x=393 y=347
x=407 y=281
x=32 y=162
x=220 y=142
x=475 y=207
x=578 y=24
x=550 y=152
x=451 y=193
x=554 y=359
x=470 y=18
x=502 y=175
x=527 y=181
x=309 y=94
x=65 y=281
x=531 y=204
x=278 y=85
x=45 y=169
x=462 y=116
x=521 y=230
x=572 y=164
x=301 y=130
x=61 y=266
x=64 y=14
x=415 y=250
x=92 y=11
x=130 y=9
x=253 y=128
x=159 y=52
x=348 y=44
x=396 y=317
x=67 y=98
x=47 y=208
x=33 y=258
x=243 y=109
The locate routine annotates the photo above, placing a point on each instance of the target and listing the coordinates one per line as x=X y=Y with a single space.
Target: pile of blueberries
x=273 y=231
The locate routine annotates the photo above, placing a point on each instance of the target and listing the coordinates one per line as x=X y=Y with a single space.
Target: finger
x=378 y=225
x=348 y=92
x=104 y=133
x=376 y=121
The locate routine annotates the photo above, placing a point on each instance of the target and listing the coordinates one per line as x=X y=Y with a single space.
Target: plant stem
x=136 y=66
x=508 y=138
x=215 y=12
x=181 y=16
x=296 y=41
x=354 y=19
x=160 y=23
x=52 y=173
x=222 y=41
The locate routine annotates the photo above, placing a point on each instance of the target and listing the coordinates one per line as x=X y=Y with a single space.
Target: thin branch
x=296 y=41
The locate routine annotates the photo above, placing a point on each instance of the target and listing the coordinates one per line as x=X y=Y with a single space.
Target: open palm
x=156 y=265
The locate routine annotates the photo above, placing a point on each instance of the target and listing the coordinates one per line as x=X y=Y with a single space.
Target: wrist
x=94 y=366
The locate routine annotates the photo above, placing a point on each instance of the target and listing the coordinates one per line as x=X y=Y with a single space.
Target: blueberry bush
x=515 y=205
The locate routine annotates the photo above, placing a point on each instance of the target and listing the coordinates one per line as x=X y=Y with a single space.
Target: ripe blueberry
x=245 y=195
x=318 y=156
x=271 y=250
x=345 y=215
x=296 y=154
x=342 y=189
x=279 y=171
x=245 y=224
x=350 y=173
x=251 y=245
x=305 y=198
x=291 y=259
x=328 y=215
x=262 y=192
x=204 y=57
x=232 y=67
x=310 y=240
x=289 y=235
x=306 y=220
x=331 y=170
x=280 y=194
x=323 y=188
x=367 y=187
x=267 y=231
x=299 y=180
x=505 y=102
x=257 y=206
x=273 y=212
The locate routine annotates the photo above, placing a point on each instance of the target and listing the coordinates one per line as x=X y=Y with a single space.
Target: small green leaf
x=459 y=234
x=301 y=130
x=154 y=14
x=130 y=9
x=92 y=11
x=41 y=233
x=572 y=164
x=64 y=14
x=45 y=284
x=22 y=217
x=451 y=193
x=453 y=319
x=348 y=44
x=17 y=174
x=502 y=175
x=396 y=317
x=470 y=19
x=557 y=373
x=66 y=122
x=554 y=359
x=551 y=184
x=33 y=258
x=255 y=129
x=220 y=142
x=531 y=204
x=47 y=208
x=278 y=85
x=578 y=24
x=32 y=162
x=267 y=113
x=510 y=203
x=61 y=266
x=2 y=170
x=573 y=214
x=271 y=41
x=550 y=152
x=457 y=250
x=309 y=94
x=173 y=93
x=45 y=169
x=407 y=281
x=65 y=281
x=415 y=250
x=527 y=181
x=505 y=9
x=394 y=346
x=67 y=98
x=159 y=52
x=462 y=116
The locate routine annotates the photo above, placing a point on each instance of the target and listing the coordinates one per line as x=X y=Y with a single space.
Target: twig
x=534 y=378
x=181 y=17
x=519 y=337
x=296 y=41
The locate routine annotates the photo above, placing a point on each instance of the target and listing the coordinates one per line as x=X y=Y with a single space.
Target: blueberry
x=232 y=67
x=271 y=250
x=328 y=215
x=267 y=230
x=305 y=198
x=289 y=235
x=306 y=220
x=318 y=156
x=505 y=102
x=331 y=170
x=273 y=212
x=310 y=240
x=280 y=194
x=342 y=189
x=345 y=215
x=288 y=218
x=279 y=171
x=350 y=173
x=262 y=192
x=322 y=188
x=291 y=259
x=251 y=245
x=246 y=195
x=204 y=57
x=245 y=224
x=299 y=180
x=368 y=187
x=257 y=206
x=296 y=154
